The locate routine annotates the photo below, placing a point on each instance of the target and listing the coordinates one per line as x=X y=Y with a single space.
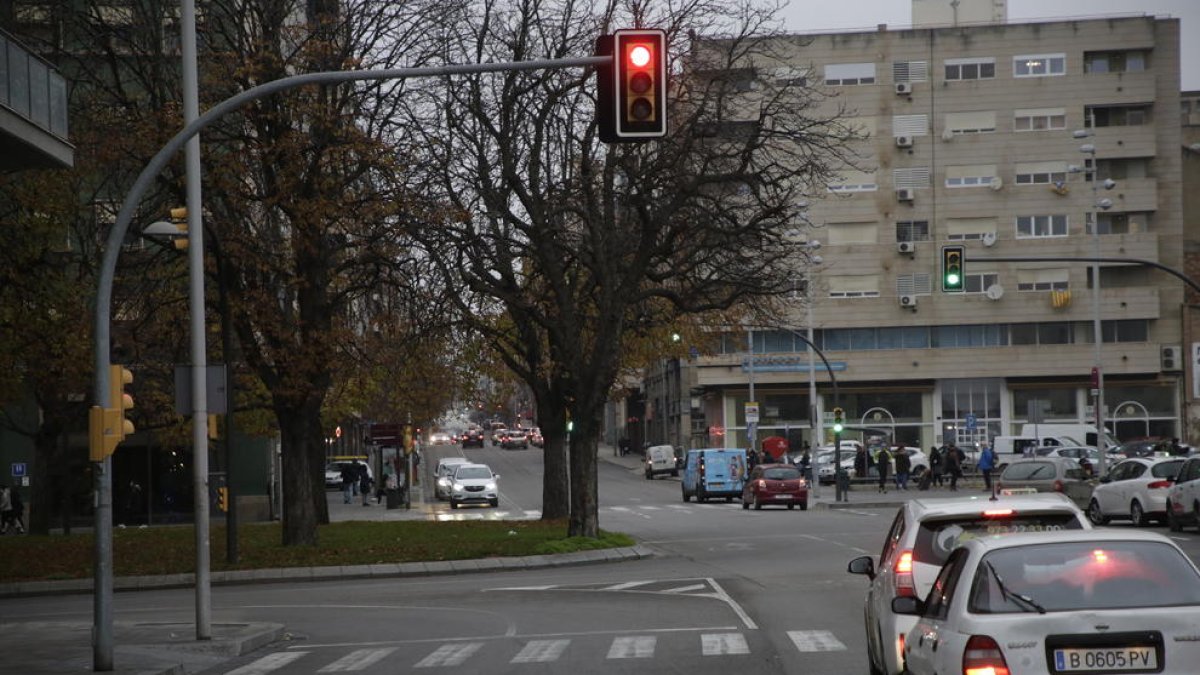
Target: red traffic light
x=639 y=56
x=632 y=92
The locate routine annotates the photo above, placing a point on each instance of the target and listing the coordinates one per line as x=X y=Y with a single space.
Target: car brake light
x=1058 y=486
x=998 y=513
x=1159 y=485
x=902 y=575
x=982 y=656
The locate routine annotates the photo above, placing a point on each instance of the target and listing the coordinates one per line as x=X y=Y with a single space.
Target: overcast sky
x=822 y=15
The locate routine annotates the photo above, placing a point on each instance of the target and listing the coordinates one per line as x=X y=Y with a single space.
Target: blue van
x=714 y=472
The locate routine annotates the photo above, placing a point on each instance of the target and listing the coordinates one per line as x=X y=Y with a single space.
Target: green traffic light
x=837 y=427
x=952 y=279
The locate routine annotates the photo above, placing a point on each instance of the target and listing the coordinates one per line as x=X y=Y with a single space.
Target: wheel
x=686 y=496
x=1137 y=515
x=649 y=475
x=495 y=503
x=1172 y=522
x=804 y=505
x=791 y=505
x=745 y=504
x=874 y=669
x=674 y=474
x=728 y=499
x=757 y=503
x=453 y=504
x=1095 y=514
x=700 y=496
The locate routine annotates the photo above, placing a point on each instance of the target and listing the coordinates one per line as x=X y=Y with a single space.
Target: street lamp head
x=1105 y=204
x=813 y=245
x=1074 y=168
x=1081 y=133
x=161 y=228
x=817 y=260
x=1088 y=148
x=1109 y=183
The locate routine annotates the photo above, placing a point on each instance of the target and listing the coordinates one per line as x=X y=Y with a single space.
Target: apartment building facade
x=971 y=140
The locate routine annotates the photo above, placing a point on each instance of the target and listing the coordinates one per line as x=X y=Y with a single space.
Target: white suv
x=921 y=538
x=474 y=484
x=1183 y=499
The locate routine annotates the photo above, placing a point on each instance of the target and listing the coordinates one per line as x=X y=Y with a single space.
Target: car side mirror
x=905 y=604
x=495 y=475
x=862 y=565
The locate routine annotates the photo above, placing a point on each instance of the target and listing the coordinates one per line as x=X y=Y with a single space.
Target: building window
x=1039 y=65
x=913 y=284
x=1043 y=280
x=1032 y=227
x=849 y=74
x=969 y=229
x=910 y=71
x=790 y=77
x=1125 y=61
x=853 y=181
x=916 y=177
x=971 y=69
x=982 y=122
x=853 y=233
x=970 y=176
x=859 y=286
x=1041 y=173
x=1121 y=223
x=1040 y=119
x=910 y=125
x=1132 y=330
x=980 y=282
x=1116 y=116
x=912 y=230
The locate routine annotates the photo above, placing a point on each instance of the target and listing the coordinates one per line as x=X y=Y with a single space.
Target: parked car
x=1075 y=452
x=780 y=484
x=1090 y=602
x=713 y=472
x=1183 y=499
x=443 y=473
x=513 y=439
x=660 y=459
x=919 y=541
x=473 y=438
x=1136 y=489
x=823 y=459
x=474 y=484
x=1048 y=474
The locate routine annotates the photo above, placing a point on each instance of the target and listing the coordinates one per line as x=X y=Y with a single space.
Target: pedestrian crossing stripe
x=633 y=647
x=267 y=663
x=715 y=644
x=815 y=641
x=541 y=651
x=450 y=655
x=358 y=659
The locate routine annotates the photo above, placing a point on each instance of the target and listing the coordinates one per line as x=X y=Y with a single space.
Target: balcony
x=33 y=111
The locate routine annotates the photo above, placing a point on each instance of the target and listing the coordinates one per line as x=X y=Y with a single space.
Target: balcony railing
x=31 y=88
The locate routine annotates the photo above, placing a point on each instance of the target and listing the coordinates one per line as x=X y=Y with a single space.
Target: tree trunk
x=552 y=421
x=584 y=519
x=45 y=481
x=299 y=513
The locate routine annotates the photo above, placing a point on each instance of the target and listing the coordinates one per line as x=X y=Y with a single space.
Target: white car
x=1101 y=601
x=1183 y=499
x=1135 y=489
x=921 y=537
x=474 y=484
x=443 y=473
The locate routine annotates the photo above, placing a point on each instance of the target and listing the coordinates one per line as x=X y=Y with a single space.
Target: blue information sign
x=972 y=422
x=18 y=469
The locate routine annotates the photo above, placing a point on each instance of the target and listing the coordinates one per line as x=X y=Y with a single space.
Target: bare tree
x=583 y=245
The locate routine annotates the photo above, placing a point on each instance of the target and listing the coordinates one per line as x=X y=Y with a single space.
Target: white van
x=660 y=459
x=1009 y=447
x=1080 y=434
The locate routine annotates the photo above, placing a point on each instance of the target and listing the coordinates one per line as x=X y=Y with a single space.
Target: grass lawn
x=171 y=549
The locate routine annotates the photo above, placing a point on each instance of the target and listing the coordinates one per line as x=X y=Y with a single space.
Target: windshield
x=937 y=538
x=473 y=472
x=781 y=473
x=1084 y=575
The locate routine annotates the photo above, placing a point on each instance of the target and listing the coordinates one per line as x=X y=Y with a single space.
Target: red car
x=775 y=484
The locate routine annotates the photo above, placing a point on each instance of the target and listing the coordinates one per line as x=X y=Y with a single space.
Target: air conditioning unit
x=994 y=292
x=904 y=88
x=908 y=301
x=904 y=141
x=905 y=194
x=1172 y=357
x=909 y=247
x=989 y=238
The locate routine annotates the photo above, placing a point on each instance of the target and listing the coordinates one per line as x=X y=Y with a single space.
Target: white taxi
x=1183 y=499
x=920 y=539
x=1100 y=601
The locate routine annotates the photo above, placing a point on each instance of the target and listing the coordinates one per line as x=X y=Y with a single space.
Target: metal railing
x=32 y=88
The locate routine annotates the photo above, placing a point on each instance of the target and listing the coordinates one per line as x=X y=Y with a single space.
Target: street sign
x=751 y=412
x=18 y=469
x=972 y=422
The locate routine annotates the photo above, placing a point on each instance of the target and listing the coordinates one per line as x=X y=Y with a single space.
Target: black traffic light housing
x=953 y=269
x=631 y=91
x=838 y=423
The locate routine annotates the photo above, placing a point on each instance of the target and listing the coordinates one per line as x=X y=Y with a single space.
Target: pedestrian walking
x=903 y=468
x=883 y=462
x=987 y=463
x=16 y=511
x=952 y=466
x=364 y=484
x=349 y=478
x=860 y=462
x=935 y=466
x=5 y=507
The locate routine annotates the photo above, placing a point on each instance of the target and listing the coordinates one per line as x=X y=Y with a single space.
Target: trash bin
x=394 y=499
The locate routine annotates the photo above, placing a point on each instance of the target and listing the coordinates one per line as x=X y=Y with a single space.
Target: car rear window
x=782 y=473
x=937 y=538
x=1166 y=469
x=1068 y=576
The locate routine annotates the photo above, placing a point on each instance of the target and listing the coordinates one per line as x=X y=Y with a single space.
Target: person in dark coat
x=364 y=484
x=860 y=462
x=349 y=478
x=952 y=465
x=935 y=465
x=903 y=467
x=883 y=462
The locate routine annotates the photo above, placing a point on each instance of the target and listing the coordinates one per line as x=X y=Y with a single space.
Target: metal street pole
x=751 y=427
x=191 y=111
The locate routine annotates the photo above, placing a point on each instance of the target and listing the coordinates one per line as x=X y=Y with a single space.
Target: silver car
x=443 y=474
x=474 y=484
x=921 y=537
x=1048 y=474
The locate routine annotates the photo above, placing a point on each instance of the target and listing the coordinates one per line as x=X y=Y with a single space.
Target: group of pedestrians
x=356 y=480
x=12 y=510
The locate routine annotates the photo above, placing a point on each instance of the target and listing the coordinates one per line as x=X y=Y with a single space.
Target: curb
x=333 y=573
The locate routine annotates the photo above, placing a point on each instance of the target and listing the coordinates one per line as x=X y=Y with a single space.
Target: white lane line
x=622 y=509
x=449 y=655
x=267 y=663
x=632 y=647
x=541 y=651
x=533 y=514
x=359 y=659
x=647 y=507
x=715 y=644
x=684 y=589
x=737 y=609
x=815 y=641
x=627 y=584
x=677 y=507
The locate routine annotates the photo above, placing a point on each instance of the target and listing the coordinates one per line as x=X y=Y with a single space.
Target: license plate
x=783 y=496
x=716 y=483
x=1105 y=660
